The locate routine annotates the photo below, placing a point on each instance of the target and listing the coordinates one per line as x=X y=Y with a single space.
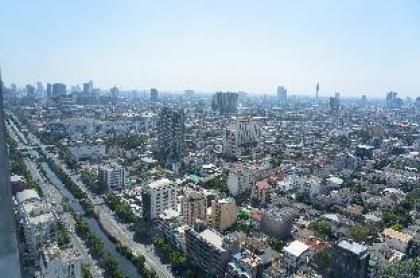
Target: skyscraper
x=170 y=136
x=9 y=254
x=225 y=103
x=335 y=104
x=153 y=94
x=30 y=90
x=86 y=88
x=392 y=101
x=317 y=92
x=49 y=90
x=281 y=94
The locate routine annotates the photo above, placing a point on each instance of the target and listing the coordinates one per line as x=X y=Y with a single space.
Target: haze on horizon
x=353 y=47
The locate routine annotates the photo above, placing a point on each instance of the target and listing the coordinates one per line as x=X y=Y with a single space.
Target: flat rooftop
x=354 y=247
x=296 y=248
x=160 y=183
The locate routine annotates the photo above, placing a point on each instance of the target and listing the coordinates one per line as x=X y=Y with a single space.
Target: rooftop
x=26 y=195
x=296 y=248
x=354 y=247
x=160 y=183
x=397 y=235
x=213 y=238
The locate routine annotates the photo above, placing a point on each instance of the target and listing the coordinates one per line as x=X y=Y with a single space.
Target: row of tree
x=123 y=210
x=18 y=167
x=75 y=190
x=138 y=261
x=175 y=256
x=96 y=247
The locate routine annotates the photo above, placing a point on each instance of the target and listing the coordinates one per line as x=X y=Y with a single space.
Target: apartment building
x=157 y=197
x=193 y=207
x=62 y=263
x=223 y=213
x=111 y=177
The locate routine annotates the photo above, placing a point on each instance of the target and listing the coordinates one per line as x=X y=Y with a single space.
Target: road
x=54 y=197
x=114 y=227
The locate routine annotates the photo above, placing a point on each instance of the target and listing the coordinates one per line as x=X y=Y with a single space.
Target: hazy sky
x=349 y=46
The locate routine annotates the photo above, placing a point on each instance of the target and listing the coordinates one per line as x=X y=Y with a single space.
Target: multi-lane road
x=54 y=197
x=116 y=229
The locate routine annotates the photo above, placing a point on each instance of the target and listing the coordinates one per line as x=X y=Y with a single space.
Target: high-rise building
x=153 y=94
x=39 y=88
x=225 y=103
x=193 y=207
x=223 y=213
x=281 y=94
x=30 y=90
x=392 y=101
x=170 y=136
x=86 y=88
x=9 y=254
x=207 y=250
x=157 y=197
x=49 y=90
x=114 y=91
x=111 y=177
x=351 y=260
x=58 y=90
x=334 y=104
x=56 y=93
x=317 y=92
x=240 y=179
x=245 y=132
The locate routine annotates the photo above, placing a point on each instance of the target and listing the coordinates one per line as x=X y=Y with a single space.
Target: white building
x=58 y=263
x=38 y=221
x=111 y=177
x=244 y=133
x=240 y=179
x=296 y=254
x=157 y=197
x=84 y=151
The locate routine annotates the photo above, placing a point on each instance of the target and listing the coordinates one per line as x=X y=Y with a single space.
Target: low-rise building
x=296 y=254
x=60 y=263
x=397 y=240
x=38 y=221
x=245 y=264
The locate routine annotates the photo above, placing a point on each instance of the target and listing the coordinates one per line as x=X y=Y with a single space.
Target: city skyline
x=352 y=47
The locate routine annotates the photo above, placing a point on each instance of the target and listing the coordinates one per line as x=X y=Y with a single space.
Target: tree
x=321 y=228
x=86 y=271
x=276 y=244
x=324 y=260
x=63 y=235
x=360 y=232
x=403 y=269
